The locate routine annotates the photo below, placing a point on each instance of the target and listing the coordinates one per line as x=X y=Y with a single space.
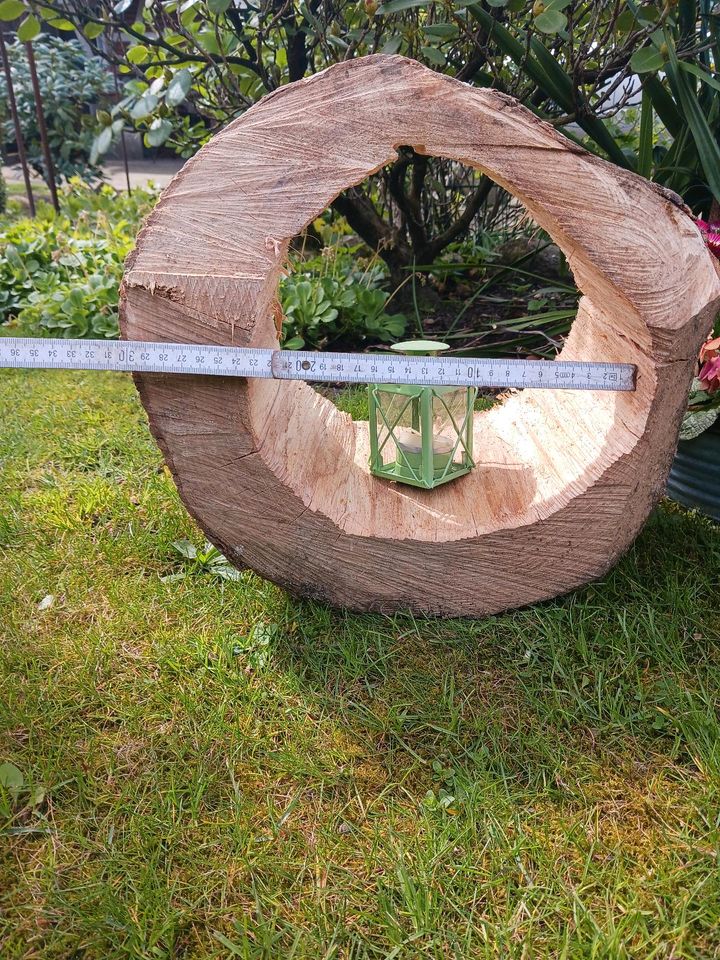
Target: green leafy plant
x=11 y=779
x=704 y=401
x=334 y=298
x=72 y=309
x=19 y=796
x=191 y=67
x=674 y=50
x=679 y=75
x=256 y=648
x=205 y=560
x=59 y=274
x=72 y=84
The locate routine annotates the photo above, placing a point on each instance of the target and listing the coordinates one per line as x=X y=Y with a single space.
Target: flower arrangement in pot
x=695 y=475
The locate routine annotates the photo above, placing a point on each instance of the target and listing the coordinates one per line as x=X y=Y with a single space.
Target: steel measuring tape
x=136 y=356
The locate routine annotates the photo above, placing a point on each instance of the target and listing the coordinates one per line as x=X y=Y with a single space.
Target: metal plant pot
x=694 y=477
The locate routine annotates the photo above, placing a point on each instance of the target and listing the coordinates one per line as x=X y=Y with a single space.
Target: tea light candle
x=410 y=441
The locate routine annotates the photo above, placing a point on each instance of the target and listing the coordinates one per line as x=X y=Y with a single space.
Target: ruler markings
x=205 y=359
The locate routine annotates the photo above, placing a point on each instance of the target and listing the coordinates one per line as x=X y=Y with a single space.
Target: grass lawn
x=214 y=769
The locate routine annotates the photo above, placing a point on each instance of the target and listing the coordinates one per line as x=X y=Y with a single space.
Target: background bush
x=336 y=299
x=59 y=274
x=72 y=84
x=192 y=67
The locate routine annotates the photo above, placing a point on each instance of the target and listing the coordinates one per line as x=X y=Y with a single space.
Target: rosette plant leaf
x=329 y=301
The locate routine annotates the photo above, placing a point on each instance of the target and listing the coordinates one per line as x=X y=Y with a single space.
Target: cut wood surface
x=278 y=478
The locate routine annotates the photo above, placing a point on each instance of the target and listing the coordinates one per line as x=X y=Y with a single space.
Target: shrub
x=3 y=194
x=71 y=82
x=661 y=57
x=59 y=274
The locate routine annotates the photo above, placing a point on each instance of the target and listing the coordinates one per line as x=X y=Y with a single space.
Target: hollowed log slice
x=278 y=478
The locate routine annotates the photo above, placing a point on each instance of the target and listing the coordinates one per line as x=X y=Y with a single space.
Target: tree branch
x=435 y=246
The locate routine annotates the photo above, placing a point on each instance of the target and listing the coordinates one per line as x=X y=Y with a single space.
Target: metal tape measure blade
x=206 y=359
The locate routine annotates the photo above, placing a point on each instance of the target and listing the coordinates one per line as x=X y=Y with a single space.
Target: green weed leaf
x=12 y=779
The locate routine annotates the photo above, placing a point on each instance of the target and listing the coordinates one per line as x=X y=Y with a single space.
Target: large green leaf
x=12 y=779
x=101 y=144
x=433 y=55
x=11 y=9
x=392 y=45
x=664 y=105
x=179 y=87
x=696 y=422
x=397 y=6
x=551 y=21
x=93 y=30
x=645 y=145
x=647 y=60
x=60 y=23
x=144 y=106
x=139 y=54
x=701 y=74
x=707 y=147
x=28 y=29
x=441 y=30
x=158 y=133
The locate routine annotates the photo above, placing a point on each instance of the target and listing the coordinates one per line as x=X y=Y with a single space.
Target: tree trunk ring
x=278 y=477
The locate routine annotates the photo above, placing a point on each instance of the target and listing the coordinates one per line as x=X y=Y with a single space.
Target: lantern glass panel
x=398 y=420
x=450 y=422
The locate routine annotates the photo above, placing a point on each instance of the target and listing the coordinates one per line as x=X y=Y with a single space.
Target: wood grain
x=278 y=477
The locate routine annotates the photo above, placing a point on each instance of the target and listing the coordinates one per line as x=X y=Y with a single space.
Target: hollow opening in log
x=337 y=280
x=416 y=243
x=534 y=452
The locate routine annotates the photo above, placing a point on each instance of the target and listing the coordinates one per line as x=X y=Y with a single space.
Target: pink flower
x=709 y=375
x=710 y=349
x=711 y=234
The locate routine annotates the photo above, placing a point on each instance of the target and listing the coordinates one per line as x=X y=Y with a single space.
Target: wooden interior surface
x=278 y=477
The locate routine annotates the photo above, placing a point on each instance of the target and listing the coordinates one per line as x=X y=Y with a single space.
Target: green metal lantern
x=420 y=435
